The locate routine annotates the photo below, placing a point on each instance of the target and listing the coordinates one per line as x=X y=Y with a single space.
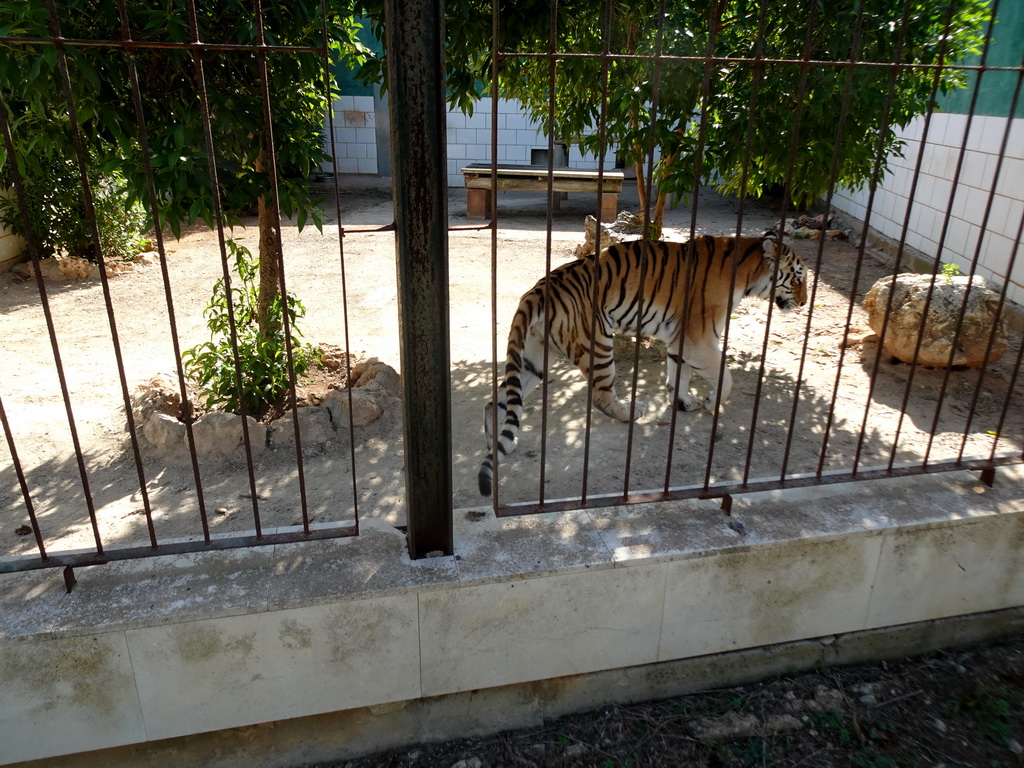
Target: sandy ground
x=791 y=429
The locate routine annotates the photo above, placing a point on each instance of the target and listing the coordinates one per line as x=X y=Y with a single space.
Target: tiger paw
x=689 y=403
x=710 y=404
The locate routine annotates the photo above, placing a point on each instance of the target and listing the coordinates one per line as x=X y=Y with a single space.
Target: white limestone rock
x=220 y=434
x=366 y=408
x=938 y=343
x=314 y=426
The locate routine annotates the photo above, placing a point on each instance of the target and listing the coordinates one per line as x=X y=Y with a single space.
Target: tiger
x=691 y=278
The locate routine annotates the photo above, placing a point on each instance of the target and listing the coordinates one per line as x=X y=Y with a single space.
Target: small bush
x=56 y=208
x=263 y=357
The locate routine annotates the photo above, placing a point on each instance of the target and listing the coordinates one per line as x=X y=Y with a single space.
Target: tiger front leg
x=678 y=368
x=707 y=367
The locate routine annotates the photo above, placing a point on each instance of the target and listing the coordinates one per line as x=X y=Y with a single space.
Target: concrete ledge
x=545 y=614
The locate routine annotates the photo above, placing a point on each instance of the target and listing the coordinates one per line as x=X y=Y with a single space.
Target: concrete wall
x=172 y=647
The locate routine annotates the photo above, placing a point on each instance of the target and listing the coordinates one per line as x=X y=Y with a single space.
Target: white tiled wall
x=936 y=198
x=355 y=143
x=469 y=137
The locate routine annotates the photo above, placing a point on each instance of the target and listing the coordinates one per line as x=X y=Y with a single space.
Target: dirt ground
x=835 y=410
x=958 y=709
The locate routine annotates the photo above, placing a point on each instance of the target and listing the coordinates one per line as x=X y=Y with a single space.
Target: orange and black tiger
x=686 y=287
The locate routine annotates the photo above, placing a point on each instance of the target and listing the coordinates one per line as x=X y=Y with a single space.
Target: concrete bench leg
x=478 y=203
x=609 y=204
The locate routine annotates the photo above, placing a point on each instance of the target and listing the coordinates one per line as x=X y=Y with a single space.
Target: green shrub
x=262 y=356
x=56 y=208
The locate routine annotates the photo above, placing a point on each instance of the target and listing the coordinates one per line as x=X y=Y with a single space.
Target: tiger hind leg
x=603 y=389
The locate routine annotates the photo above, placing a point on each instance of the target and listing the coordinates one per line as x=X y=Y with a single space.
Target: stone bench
x=534 y=178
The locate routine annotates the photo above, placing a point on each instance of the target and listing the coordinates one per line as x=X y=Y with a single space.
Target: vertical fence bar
x=416 y=82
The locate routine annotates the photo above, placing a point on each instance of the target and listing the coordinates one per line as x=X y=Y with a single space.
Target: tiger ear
x=771 y=241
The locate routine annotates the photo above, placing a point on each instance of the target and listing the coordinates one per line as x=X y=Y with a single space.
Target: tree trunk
x=641 y=185
x=270 y=273
x=659 y=216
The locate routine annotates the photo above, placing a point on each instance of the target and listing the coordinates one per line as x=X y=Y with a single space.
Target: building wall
x=985 y=179
x=469 y=138
x=948 y=219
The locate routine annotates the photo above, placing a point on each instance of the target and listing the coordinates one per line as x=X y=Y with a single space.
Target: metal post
x=415 y=53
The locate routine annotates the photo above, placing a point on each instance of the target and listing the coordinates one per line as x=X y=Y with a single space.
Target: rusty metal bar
x=787 y=186
x=719 y=489
x=903 y=235
x=548 y=223
x=329 y=90
x=19 y=471
x=90 y=216
x=218 y=215
x=415 y=45
x=216 y=544
x=645 y=250
x=496 y=366
x=275 y=214
x=602 y=131
x=875 y=175
x=158 y=235
x=983 y=225
x=33 y=248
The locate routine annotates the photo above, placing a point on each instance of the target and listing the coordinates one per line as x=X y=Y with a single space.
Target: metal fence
x=805 y=421
x=805 y=409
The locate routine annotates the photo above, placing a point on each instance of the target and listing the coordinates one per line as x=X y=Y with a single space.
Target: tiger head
x=790 y=273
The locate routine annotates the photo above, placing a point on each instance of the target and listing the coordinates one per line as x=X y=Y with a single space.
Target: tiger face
x=790 y=276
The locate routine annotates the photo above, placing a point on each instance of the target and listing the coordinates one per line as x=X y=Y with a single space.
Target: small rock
x=160 y=393
x=373 y=370
x=829 y=699
x=780 y=723
x=23 y=530
x=627 y=226
x=940 y=726
x=314 y=426
x=220 y=433
x=866 y=693
x=163 y=431
x=1015 y=747
x=728 y=727
x=365 y=408
x=220 y=511
x=469 y=762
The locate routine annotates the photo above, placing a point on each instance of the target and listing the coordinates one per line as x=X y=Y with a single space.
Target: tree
x=699 y=118
x=170 y=88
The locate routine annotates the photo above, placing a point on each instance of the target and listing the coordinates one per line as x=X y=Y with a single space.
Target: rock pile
x=627 y=226
x=157 y=409
x=806 y=227
x=72 y=268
